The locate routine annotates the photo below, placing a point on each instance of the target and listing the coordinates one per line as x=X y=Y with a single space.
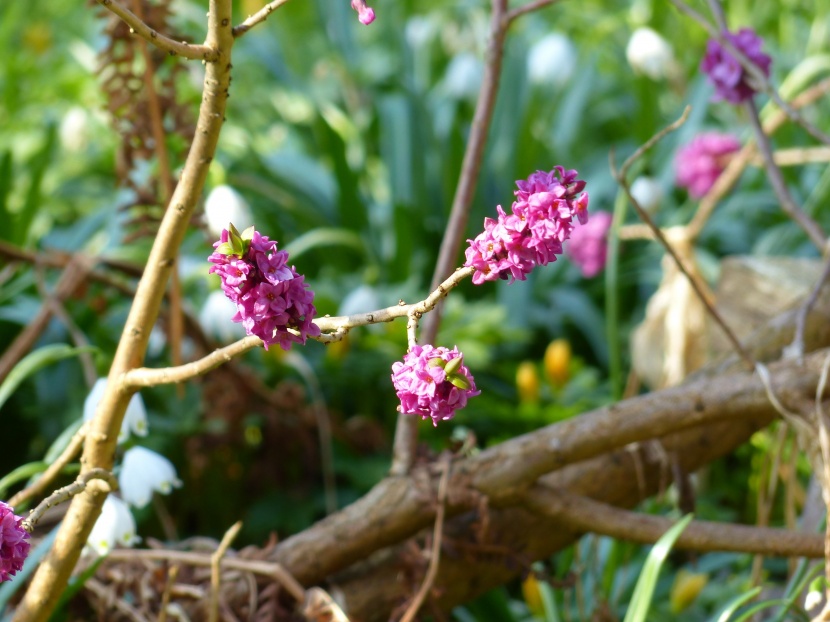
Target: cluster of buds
x=272 y=300
x=14 y=542
x=726 y=73
x=532 y=234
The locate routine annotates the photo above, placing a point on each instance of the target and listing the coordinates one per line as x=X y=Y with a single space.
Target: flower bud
x=687 y=585
x=650 y=54
x=533 y=595
x=224 y=205
x=557 y=362
x=552 y=60
x=527 y=382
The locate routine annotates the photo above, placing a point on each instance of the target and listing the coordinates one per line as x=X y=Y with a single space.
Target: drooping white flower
x=215 y=318
x=552 y=60
x=225 y=205
x=648 y=192
x=115 y=526
x=650 y=54
x=143 y=472
x=812 y=600
x=135 y=419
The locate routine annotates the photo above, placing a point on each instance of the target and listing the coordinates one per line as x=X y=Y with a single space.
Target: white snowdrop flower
x=74 y=130
x=224 y=205
x=648 y=192
x=135 y=419
x=115 y=526
x=812 y=600
x=463 y=77
x=215 y=318
x=144 y=471
x=552 y=60
x=650 y=54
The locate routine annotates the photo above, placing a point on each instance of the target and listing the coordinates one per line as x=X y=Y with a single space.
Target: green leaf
x=225 y=249
x=644 y=590
x=21 y=473
x=452 y=366
x=459 y=381
x=548 y=602
x=34 y=362
x=248 y=234
x=436 y=362
x=737 y=603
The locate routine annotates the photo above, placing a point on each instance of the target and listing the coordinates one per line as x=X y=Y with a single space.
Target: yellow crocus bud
x=687 y=586
x=527 y=382
x=557 y=362
x=533 y=595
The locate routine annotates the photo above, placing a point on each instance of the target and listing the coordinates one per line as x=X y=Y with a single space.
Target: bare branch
x=174 y=48
x=512 y=14
x=586 y=515
x=216 y=569
x=62 y=495
x=257 y=18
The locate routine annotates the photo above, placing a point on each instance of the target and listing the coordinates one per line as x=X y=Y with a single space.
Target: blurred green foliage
x=347 y=141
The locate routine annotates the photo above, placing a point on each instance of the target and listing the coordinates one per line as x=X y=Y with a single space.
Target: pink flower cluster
x=365 y=13
x=588 y=246
x=432 y=382
x=699 y=164
x=270 y=296
x=14 y=543
x=724 y=70
x=533 y=233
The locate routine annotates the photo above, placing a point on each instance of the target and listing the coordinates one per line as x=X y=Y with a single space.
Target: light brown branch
x=44 y=482
x=584 y=515
x=62 y=495
x=535 y=5
x=137 y=26
x=216 y=570
x=257 y=18
x=99 y=448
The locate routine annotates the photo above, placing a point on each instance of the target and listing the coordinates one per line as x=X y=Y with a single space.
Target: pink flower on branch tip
x=272 y=300
x=725 y=71
x=365 y=13
x=432 y=382
x=699 y=164
x=14 y=542
x=588 y=246
x=541 y=219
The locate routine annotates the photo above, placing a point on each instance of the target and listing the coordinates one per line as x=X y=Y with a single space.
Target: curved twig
x=257 y=18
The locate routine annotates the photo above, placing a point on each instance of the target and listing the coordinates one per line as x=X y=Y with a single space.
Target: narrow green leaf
x=35 y=361
x=452 y=366
x=644 y=590
x=459 y=381
x=737 y=603
x=21 y=473
x=548 y=602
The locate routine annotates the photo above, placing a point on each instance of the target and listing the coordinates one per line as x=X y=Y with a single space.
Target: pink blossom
x=365 y=14
x=588 y=246
x=272 y=300
x=14 y=542
x=700 y=163
x=533 y=233
x=726 y=73
x=430 y=384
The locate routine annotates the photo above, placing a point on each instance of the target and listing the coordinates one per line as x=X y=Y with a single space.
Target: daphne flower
x=224 y=205
x=135 y=419
x=650 y=54
x=365 y=14
x=115 y=526
x=432 y=382
x=726 y=73
x=532 y=235
x=700 y=163
x=14 y=542
x=143 y=472
x=272 y=300
x=588 y=246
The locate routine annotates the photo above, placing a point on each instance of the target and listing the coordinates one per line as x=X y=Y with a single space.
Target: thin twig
x=165 y=596
x=108 y=597
x=44 y=482
x=338 y=327
x=216 y=570
x=139 y=27
x=760 y=81
x=796 y=348
x=64 y=494
x=437 y=538
x=824 y=444
x=263 y=568
x=620 y=176
x=257 y=18
x=512 y=14
x=587 y=515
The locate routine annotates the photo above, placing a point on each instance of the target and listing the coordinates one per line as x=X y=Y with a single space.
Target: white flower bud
x=463 y=77
x=648 y=192
x=225 y=205
x=552 y=60
x=115 y=526
x=812 y=600
x=135 y=419
x=143 y=472
x=650 y=54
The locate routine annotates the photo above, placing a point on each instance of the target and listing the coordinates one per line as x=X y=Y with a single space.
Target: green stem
x=612 y=298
